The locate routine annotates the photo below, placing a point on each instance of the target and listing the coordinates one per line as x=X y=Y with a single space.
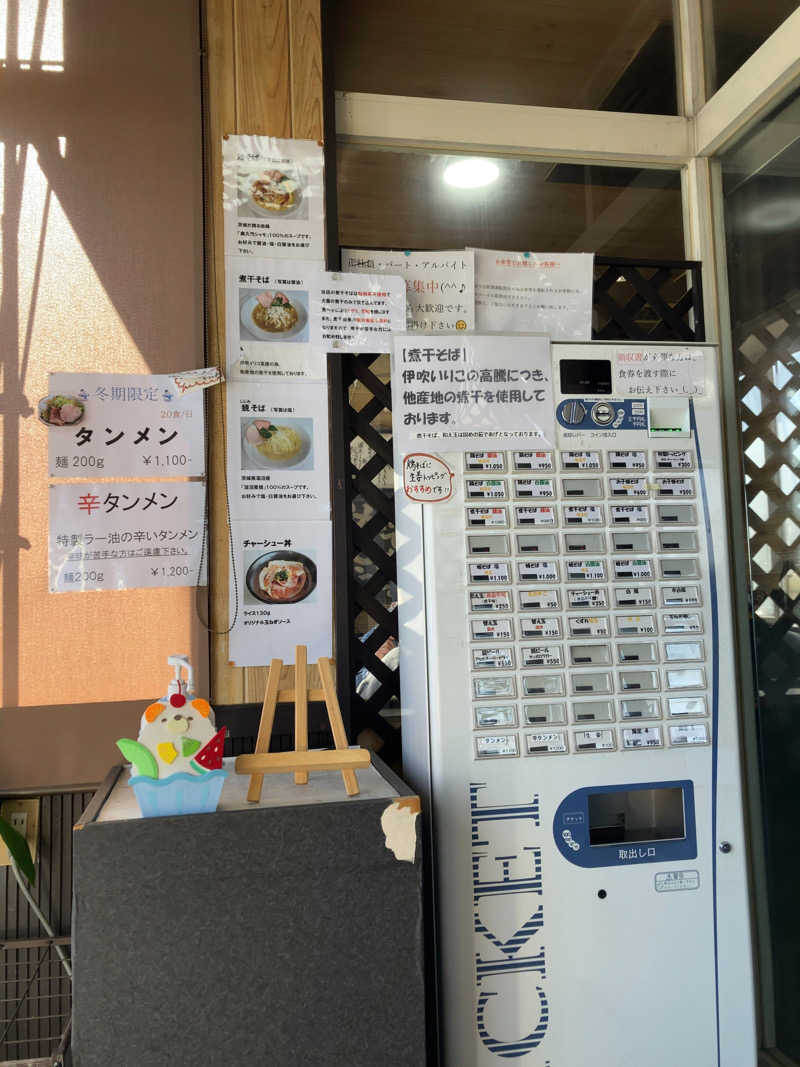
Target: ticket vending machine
x=570 y=717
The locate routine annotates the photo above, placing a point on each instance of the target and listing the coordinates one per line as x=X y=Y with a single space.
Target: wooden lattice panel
x=768 y=351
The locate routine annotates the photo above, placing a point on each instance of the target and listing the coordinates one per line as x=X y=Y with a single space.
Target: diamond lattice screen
x=769 y=390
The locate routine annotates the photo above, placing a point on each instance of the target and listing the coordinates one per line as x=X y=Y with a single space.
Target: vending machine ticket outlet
x=569 y=702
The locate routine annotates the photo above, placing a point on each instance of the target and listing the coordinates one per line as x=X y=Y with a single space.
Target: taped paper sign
x=426 y=478
x=440 y=286
x=648 y=371
x=273 y=197
x=460 y=393
x=187 y=380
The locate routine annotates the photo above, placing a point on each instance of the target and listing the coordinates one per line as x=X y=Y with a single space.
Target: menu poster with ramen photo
x=267 y=316
x=282 y=595
x=278 y=450
x=273 y=197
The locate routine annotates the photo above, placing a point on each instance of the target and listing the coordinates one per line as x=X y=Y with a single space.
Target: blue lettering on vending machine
x=519 y=873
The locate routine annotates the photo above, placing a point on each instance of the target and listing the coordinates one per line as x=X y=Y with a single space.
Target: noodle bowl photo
x=267 y=315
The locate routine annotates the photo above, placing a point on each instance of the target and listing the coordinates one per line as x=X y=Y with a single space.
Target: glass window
x=738 y=30
x=614 y=56
x=762 y=214
x=399 y=199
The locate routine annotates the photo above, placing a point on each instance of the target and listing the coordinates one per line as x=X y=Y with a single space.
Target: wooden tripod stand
x=298 y=684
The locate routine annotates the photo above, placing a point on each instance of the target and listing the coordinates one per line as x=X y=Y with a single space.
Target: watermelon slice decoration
x=209 y=758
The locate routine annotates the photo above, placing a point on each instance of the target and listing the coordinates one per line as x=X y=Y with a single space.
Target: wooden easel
x=298 y=684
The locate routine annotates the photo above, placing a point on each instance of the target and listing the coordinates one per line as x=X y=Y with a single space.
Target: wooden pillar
x=264 y=62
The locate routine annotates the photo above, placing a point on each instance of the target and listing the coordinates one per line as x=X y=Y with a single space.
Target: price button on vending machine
x=686 y=622
x=491 y=600
x=582 y=515
x=673 y=460
x=633 y=596
x=588 y=625
x=592 y=570
x=630 y=514
x=540 y=488
x=487 y=517
x=492 y=629
x=594 y=740
x=587 y=598
x=542 y=656
x=486 y=489
x=538 y=600
x=532 y=461
x=690 y=734
x=546 y=626
x=581 y=461
x=633 y=568
x=536 y=516
x=492 y=659
x=635 y=625
x=489 y=572
x=680 y=596
x=641 y=737
x=636 y=487
x=628 y=461
x=496 y=745
x=681 y=487
x=546 y=743
x=537 y=570
x=490 y=462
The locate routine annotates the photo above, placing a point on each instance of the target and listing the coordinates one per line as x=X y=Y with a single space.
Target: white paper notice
x=530 y=292
x=647 y=370
x=465 y=392
x=273 y=197
x=440 y=286
x=278 y=450
x=122 y=426
x=267 y=315
x=285 y=591
x=125 y=535
x=357 y=312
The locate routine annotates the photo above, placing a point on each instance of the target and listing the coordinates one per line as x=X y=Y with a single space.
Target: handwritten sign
x=426 y=479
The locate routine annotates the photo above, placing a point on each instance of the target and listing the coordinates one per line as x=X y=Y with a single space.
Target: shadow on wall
x=101 y=270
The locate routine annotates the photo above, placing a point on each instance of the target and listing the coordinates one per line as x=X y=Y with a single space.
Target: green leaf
x=18 y=847
x=189 y=745
x=143 y=760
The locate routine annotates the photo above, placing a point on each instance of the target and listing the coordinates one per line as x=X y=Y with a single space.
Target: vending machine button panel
x=490 y=716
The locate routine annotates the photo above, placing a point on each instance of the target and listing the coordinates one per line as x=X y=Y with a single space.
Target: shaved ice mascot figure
x=177 y=759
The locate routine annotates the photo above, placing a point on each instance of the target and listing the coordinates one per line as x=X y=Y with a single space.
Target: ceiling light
x=471 y=173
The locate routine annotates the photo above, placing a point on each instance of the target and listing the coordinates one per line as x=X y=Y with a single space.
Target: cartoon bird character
x=175 y=730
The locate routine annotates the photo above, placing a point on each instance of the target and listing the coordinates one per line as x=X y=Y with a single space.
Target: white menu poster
x=357 y=312
x=267 y=319
x=529 y=292
x=122 y=426
x=285 y=580
x=440 y=286
x=273 y=197
x=457 y=393
x=125 y=535
x=278 y=450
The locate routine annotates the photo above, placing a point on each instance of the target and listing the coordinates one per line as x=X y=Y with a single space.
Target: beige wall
x=101 y=270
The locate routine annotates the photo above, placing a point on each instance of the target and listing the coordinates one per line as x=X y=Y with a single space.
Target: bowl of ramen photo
x=273 y=316
x=281 y=577
x=274 y=445
x=273 y=192
x=59 y=410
